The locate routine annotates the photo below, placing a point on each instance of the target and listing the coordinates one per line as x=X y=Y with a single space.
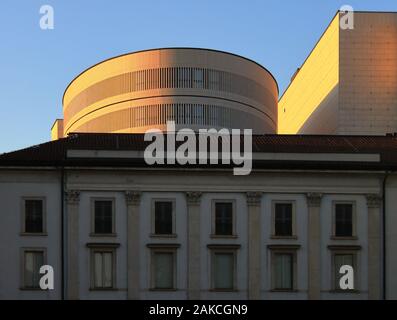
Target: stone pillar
x=72 y=198
x=133 y=199
x=374 y=246
x=314 y=241
x=254 y=245
x=193 y=217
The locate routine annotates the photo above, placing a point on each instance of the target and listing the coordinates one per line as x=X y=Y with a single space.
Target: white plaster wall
x=14 y=186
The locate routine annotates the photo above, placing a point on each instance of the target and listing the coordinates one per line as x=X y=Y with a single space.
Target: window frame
x=92 y=204
x=354 y=221
x=23 y=216
x=223 y=249
x=153 y=233
x=163 y=248
x=284 y=249
x=345 y=250
x=24 y=250
x=213 y=219
x=273 y=224
x=103 y=248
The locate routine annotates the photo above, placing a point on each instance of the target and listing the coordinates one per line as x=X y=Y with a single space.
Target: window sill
x=33 y=234
x=102 y=235
x=163 y=290
x=223 y=290
x=345 y=291
x=31 y=289
x=284 y=237
x=104 y=289
x=165 y=236
x=284 y=290
x=344 y=238
x=220 y=236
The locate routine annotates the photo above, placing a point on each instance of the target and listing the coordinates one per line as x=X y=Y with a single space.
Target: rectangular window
x=163 y=217
x=343 y=220
x=34 y=216
x=33 y=260
x=223 y=270
x=223 y=218
x=103 y=217
x=339 y=261
x=163 y=270
x=283 y=271
x=103 y=272
x=283 y=219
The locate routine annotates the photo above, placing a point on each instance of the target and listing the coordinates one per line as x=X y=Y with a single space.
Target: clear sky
x=37 y=65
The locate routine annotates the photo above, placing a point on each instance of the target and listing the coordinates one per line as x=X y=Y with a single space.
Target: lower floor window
x=343 y=259
x=223 y=271
x=103 y=266
x=284 y=267
x=33 y=260
x=283 y=271
x=163 y=266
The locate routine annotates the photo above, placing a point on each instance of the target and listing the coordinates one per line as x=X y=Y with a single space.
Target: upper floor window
x=224 y=218
x=164 y=217
x=344 y=220
x=103 y=216
x=34 y=216
x=33 y=260
x=283 y=219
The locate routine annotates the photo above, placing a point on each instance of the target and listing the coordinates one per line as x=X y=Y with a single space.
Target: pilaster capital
x=132 y=198
x=193 y=197
x=72 y=196
x=253 y=198
x=373 y=200
x=314 y=199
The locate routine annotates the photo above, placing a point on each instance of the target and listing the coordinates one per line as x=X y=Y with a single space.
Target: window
x=103 y=217
x=163 y=217
x=223 y=218
x=224 y=271
x=163 y=266
x=103 y=266
x=33 y=260
x=343 y=223
x=34 y=216
x=283 y=271
x=283 y=267
x=283 y=219
x=344 y=255
x=163 y=270
x=224 y=265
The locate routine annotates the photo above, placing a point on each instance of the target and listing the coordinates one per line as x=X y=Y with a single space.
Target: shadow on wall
x=324 y=118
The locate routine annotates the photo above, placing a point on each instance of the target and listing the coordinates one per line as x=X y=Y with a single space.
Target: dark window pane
x=103 y=216
x=33 y=262
x=163 y=217
x=34 y=216
x=224 y=271
x=343 y=220
x=223 y=218
x=283 y=219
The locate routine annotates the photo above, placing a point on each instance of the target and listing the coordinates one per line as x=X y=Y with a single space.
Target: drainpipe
x=384 y=232
x=62 y=234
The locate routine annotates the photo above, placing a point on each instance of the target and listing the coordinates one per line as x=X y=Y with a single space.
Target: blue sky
x=36 y=65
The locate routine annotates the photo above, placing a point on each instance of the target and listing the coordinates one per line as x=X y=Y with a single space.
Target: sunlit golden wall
x=196 y=88
x=308 y=105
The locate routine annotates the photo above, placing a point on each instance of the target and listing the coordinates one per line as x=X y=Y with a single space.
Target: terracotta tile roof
x=53 y=153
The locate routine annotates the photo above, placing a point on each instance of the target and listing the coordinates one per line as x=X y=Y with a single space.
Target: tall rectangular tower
x=348 y=83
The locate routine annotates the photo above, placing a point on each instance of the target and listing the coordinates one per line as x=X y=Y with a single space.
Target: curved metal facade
x=196 y=88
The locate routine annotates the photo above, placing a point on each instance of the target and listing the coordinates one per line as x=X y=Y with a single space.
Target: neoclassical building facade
x=115 y=228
